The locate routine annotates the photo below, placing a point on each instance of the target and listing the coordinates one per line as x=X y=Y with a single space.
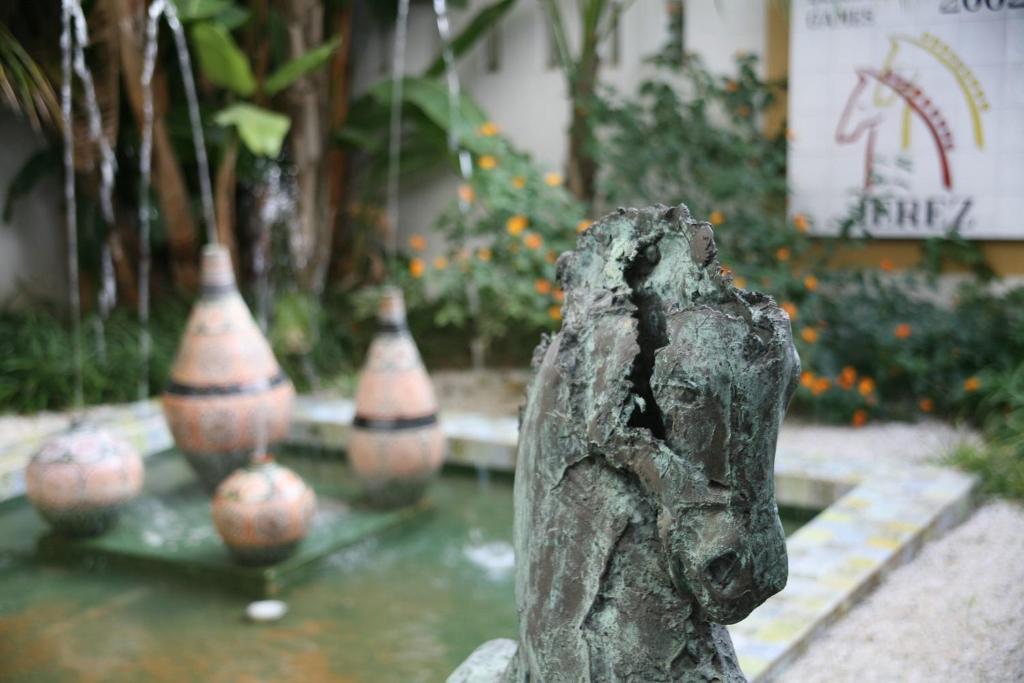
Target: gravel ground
x=921 y=442
x=956 y=613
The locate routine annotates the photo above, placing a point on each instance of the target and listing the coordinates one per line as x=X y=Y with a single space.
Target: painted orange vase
x=396 y=444
x=262 y=512
x=80 y=480
x=227 y=397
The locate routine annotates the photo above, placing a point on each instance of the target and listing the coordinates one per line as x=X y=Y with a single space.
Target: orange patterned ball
x=80 y=480
x=262 y=512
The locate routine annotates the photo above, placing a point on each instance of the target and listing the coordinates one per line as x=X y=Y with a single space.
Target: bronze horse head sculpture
x=645 y=507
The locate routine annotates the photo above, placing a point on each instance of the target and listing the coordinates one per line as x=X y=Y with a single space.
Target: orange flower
x=558 y=295
x=724 y=271
x=801 y=223
x=887 y=265
x=487 y=162
x=811 y=283
x=553 y=179
x=790 y=308
x=551 y=256
x=731 y=86
x=416 y=267
x=519 y=182
x=716 y=218
x=782 y=253
x=533 y=240
x=489 y=129
x=866 y=387
x=740 y=282
x=417 y=242
x=583 y=225
x=484 y=254
x=860 y=417
x=516 y=224
x=902 y=331
x=926 y=405
x=821 y=385
x=463 y=255
x=972 y=384
x=807 y=379
x=466 y=194
x=542 y=286
x=440 y=263
x=809 y=335
x=555 y=312
x=847 y=377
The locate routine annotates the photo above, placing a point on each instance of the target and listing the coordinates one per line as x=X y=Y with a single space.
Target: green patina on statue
x=645 y=506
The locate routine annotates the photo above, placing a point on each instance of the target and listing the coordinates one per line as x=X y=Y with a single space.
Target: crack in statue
x=645 y=504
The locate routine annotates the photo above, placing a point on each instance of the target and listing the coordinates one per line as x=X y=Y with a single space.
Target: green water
x=406 y=607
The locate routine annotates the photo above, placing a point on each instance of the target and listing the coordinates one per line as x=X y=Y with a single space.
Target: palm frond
x=24 y=86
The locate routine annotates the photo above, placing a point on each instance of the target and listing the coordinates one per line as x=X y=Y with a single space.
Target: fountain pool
x=407 y=605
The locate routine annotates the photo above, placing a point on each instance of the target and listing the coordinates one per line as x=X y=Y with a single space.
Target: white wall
x=32 y=244
x=527 y=98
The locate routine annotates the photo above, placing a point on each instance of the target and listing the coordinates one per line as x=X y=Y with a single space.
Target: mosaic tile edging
x=843 y=553
x=871 y=524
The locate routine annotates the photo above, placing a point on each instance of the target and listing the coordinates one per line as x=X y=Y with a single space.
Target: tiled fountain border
x=872 y=521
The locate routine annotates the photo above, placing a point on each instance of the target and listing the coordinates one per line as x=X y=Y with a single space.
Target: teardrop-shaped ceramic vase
x=80 y=480
x=262 y=512
x=227 y=396
x=396 y=444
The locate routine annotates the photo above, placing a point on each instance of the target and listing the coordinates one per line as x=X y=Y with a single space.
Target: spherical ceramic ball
x=262 y=512
x=80 y=480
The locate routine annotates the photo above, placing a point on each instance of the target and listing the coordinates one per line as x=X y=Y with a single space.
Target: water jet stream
x=395 y=134
x=145 y=174
x=70 y=206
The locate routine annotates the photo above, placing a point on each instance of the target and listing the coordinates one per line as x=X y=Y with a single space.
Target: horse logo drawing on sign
x=863 y=117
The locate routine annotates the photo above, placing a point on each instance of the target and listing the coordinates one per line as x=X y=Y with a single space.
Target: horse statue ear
x=702 y=244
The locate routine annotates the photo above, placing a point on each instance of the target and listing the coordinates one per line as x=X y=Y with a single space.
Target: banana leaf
x=296 y=68
x=222 y=61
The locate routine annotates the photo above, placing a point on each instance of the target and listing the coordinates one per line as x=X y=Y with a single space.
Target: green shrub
x=37 y=359
x=999 y=466
x=496 y=274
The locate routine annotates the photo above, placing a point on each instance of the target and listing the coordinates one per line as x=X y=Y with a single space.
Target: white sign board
x=911 y=110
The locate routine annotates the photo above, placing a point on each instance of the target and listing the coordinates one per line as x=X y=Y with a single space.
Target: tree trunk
x=337 y=160
x=224 y=194
x=582 y=169
x=168 y=180
x=306 y=105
